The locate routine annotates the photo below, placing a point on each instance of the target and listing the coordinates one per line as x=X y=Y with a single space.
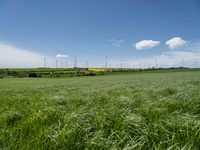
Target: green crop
x=127 y=111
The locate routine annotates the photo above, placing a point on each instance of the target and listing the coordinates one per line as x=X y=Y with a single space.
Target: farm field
x=158 y=110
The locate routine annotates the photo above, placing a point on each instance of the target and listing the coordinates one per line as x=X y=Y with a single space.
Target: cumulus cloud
x=61 y=56
x=187 y=57
x=116 y=43
x=175 y=43
x=11 y=56
x=146 y=44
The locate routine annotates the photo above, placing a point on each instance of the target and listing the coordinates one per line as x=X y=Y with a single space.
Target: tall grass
x=134 y=111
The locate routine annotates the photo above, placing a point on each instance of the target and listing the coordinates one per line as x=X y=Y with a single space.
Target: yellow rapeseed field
x=98 y=69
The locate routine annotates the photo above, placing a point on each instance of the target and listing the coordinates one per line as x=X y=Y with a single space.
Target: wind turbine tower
x=44 y=62
x=106 y=61
x=75 y=62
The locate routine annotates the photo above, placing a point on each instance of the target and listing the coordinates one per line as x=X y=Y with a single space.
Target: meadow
x=156 y=110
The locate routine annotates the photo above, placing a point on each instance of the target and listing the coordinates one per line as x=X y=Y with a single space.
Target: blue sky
x=91 y=29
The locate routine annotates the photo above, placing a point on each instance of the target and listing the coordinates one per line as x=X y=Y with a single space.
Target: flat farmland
x=158 y=110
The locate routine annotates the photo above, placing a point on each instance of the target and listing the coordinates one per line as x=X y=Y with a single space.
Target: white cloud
x=11 y=56
x=15 y=57
x=175 y=43
x=187 y=57
x=61 y=56
x=146 y=44
x=116 y=43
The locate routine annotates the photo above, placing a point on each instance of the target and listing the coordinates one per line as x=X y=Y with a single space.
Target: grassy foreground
x=133 y=111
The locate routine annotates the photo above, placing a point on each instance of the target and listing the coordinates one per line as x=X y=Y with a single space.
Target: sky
x=132 y=33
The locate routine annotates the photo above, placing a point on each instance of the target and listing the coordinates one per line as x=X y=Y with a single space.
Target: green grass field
x=128 y=111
